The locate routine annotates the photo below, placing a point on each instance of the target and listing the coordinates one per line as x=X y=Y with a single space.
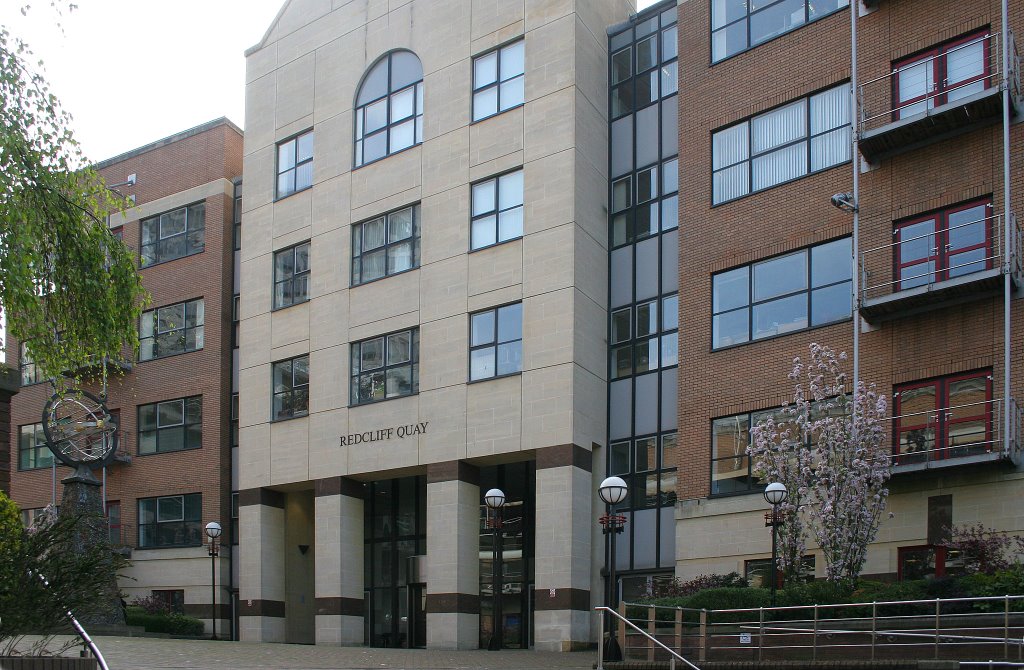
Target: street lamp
x=495 y=500
x=213 y=531
x=613 y=490
x=775 y=494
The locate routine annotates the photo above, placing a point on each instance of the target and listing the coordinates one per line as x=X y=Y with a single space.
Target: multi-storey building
x=926 y=309
x=172 y=403
x=423 y=317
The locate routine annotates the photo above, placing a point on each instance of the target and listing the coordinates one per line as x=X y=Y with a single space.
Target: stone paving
x=138 y=653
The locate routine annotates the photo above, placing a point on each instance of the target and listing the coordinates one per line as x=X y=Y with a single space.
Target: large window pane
x=780 y=276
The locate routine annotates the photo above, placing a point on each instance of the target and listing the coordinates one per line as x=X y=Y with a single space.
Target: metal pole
x=775 y=551
x=213 y=586
x=1007 y=286
x=855 y=242
x=496 y=642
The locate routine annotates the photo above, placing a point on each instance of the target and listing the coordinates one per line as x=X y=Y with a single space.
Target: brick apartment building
x=173 y=405
x=765 y=142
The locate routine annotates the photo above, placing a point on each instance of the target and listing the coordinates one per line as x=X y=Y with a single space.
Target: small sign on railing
x=744 y=638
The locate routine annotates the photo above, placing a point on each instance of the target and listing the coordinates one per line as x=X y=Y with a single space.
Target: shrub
x=986 y=550
x=172 y=624
x=680 y=589
x=151 y=605
x=1004 y=582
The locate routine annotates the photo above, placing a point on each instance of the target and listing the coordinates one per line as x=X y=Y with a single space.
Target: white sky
x=134 y=71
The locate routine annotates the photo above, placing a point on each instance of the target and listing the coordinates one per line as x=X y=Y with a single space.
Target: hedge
x=172 y=624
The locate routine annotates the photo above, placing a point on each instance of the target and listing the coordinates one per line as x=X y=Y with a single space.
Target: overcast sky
x=134 y=71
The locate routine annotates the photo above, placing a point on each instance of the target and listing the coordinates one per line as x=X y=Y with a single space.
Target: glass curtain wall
x=643 y=289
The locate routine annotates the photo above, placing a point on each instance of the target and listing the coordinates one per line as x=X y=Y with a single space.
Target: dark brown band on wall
x=562 y=455
x=274 y=608
x=339 y=486
x=564 y=599
x=261 y=496
x=201 y=611
x=453 y=603
x=340 y=606
x=453 y=470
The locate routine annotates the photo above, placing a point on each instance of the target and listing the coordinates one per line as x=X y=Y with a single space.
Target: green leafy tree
x=67 y=286
x=45 y=573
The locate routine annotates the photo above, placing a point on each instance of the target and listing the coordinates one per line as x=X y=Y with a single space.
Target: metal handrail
x=996 y=76
x=600 y=647
x=995 y=420
x=881 y=256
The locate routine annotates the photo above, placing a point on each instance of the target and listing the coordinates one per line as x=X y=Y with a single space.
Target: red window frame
x=940 y=552
x=941 y=251
x=118 y=232
x=941 y=87
x=942 y=421
x=114 y=529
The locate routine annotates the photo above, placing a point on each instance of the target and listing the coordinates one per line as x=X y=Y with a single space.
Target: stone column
x=562 y=599
x=453 y=556
x=338 y=519
x=262 y=577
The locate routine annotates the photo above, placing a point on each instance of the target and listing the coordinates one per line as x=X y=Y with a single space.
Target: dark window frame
x=359 y=133
x=807 y=138
x=809 y=290
x=943 y=559
x=187 y=441
x=494 y=343
x=184 y=526
x=297 y=162
x=631 y=344
x=496 y=210
x=941 y=419
x=39 y=454
x=665 y=474
x=357 y=374
x=292 y=278
x=358 y=253
x=196 y=248
x=198 y=329
x=290 y=393
x=27 y=365
x=498 y=81
x=746 y=18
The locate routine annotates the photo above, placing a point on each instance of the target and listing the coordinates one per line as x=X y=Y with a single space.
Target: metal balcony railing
x=955 y=270
x=951 y=436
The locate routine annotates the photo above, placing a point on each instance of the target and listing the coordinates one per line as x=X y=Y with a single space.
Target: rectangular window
x=784 y=294
x=28 y=516
x=385 y=367
x=30 y=373
x=948 y=417
x=175 y=234
x=949 y=72
x=235 y=320
x=945 y=244
x=291 y=276
x=32 y=450
x=172 y=599
x=651 y=464
x=645 y=337
x=386 y=245
x=929 y=562
x=496 y=342
x=498 y=80
x=796 y=139
x=171 y=521
x=295 y=164
x=171 y=425
x=497 y=214
x=170 y=330
x=236 y=215
x=114 y=524
x=737 y=25
x=757 y=572
x=291 y=388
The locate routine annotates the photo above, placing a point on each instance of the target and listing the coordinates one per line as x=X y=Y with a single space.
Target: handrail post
x=652 y=630
x=679 y=629
x=760 y=633
x=874 y=627
x=1006 y=627
x=814 y=653
x=622 y=629
x=600 y=641
x=702 y=654
x=938 y=608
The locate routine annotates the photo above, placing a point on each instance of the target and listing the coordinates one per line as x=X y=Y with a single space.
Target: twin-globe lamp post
x=613 y=490
x=495 y=501
x=775 y=494
x=213 y=531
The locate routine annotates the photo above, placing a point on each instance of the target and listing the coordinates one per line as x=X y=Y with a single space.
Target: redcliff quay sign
x=399 y=432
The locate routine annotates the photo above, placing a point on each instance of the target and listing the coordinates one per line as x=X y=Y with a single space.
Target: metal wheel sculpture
x=79 y=429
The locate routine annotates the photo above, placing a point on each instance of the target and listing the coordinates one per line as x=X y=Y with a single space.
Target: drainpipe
x=1007 y=237
x=854 y=120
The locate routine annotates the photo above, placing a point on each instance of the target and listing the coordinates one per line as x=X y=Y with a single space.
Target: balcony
x=956 y=436
x=934 y=105
x=943 y=274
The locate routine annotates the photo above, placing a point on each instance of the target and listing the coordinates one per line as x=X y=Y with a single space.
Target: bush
x=172 y=624
x=1004 y=582
x=681 y=589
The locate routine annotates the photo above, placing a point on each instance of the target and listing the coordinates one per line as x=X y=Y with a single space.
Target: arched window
x=389 y=107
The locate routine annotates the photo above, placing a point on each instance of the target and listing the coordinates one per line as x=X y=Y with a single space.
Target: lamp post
x=775 y=494
x=213 y=531
x=613 y=490
x=495 y=500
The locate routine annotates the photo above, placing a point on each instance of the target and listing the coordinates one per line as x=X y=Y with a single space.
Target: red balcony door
x=949 y=417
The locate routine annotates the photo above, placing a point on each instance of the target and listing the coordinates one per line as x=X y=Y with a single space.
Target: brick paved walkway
x=138 y=653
